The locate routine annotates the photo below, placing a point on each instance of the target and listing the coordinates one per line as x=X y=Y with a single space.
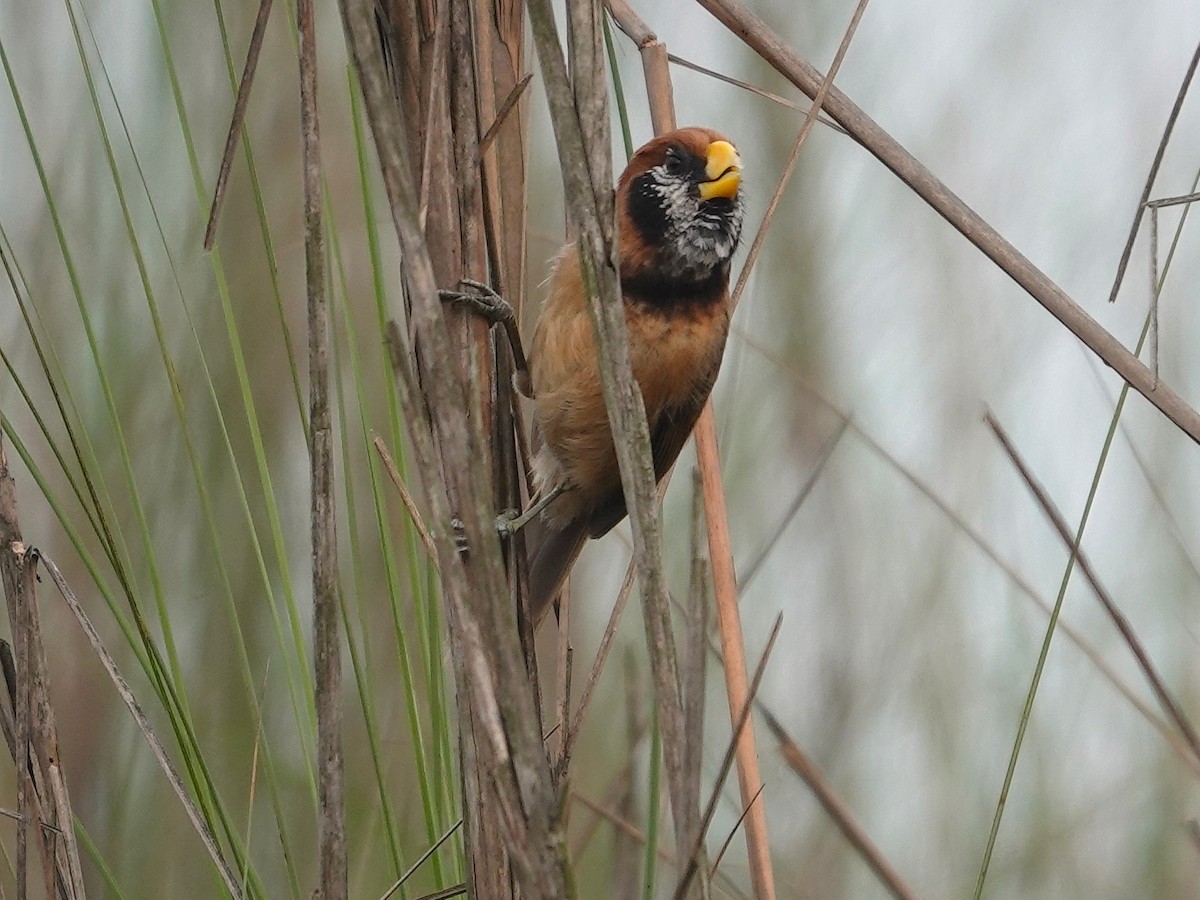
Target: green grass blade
x=1043 y=654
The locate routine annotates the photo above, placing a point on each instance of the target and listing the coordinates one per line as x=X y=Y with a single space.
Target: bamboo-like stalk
x=694 y=660
x=43 y=803
x=737 y=688
x=691 y=863
x=327 y=649
x=506 y=772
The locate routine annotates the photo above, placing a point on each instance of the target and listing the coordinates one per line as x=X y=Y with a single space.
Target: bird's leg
x=511 y=522
x=497 y=311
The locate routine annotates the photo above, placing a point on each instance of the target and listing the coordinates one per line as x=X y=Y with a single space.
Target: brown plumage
x=679 y=216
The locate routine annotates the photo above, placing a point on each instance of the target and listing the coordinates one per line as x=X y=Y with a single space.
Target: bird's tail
x=551 y=551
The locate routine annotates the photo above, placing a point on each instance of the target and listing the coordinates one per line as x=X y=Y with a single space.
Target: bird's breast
x=675 y=351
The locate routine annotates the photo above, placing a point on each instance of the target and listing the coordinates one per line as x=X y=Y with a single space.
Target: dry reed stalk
x=660 y=96
x=236 y=120
x=980 y=542
x=695 y=655
x=135 y=709
x=327 y=648
x=1171 y=708
x=1154 y=166
x=513 y=825
x=729 y=623
x=691 y=861
x=578 y=108
x=43 y=801
x=837 y=809
x=762 y=39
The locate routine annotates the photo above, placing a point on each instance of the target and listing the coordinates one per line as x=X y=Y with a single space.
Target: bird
x=679 y=210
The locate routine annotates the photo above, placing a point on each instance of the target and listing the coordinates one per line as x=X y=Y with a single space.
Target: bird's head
x=680 y=207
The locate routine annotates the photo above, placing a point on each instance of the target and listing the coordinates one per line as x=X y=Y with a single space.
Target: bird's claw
x=485 y=302
x=506 y=523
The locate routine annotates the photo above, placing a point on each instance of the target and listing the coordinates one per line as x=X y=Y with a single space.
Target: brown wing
x=667 y=437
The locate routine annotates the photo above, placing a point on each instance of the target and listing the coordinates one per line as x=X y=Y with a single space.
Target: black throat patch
x=668 y=294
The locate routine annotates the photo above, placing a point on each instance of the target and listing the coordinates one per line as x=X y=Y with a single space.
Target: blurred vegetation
x=161 y=457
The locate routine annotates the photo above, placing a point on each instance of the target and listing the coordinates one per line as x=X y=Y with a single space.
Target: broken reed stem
x=410 y=505
x=126 y=694
x=789 y=167
x=836 y=808
x=235 y=122
x=31 y=730
x=1172 y=709
x=327 y=653
x=1154 y=166
x=763 y=40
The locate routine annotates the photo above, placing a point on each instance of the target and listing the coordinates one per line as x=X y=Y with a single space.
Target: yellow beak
x=723 y=167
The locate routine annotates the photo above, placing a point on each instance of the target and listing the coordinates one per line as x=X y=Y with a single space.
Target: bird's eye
x=675 y=164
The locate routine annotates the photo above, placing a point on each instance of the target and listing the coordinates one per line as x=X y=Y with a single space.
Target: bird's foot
x=482 y=300
x=510 y=522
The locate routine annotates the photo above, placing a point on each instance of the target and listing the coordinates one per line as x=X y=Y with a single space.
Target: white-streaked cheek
x=697 y=241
